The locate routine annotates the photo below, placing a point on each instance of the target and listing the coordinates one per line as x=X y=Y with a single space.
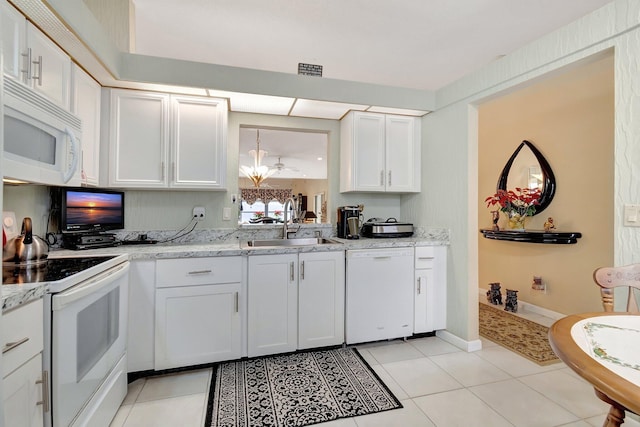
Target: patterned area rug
x=296 y=390
x=527 y=338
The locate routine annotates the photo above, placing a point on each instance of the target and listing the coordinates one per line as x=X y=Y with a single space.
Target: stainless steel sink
x=291 y=242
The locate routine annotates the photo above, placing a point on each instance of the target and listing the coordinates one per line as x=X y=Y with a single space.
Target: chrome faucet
x=288 y=205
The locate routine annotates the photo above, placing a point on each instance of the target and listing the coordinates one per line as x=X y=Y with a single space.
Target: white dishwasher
x=379 y=297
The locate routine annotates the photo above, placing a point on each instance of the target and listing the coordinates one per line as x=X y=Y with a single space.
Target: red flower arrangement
x=522 y=201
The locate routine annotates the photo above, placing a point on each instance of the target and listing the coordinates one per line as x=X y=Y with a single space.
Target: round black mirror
x=547 y=179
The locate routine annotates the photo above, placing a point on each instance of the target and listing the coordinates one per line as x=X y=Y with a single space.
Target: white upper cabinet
x=85 y=103
x=199 y=142
x=138 y=134
x=32 y=58
x=379 y=153
x=166 y=141
x=14 y=40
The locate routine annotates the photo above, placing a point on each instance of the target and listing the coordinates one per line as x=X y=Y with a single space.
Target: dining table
x=604 y=349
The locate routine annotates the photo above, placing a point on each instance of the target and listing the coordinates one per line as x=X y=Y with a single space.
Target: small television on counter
x=90 y=210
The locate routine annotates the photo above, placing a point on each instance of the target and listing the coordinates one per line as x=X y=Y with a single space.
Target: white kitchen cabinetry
x=272 y=285
x=23 y=382
x=430 y=288
x=85 y=103
x=320 y=299
x=379 y=153
x=166 y=141
x=32 y=58
x=295 y=302
x=199 y=306
x=138 y=139
x=199 y=142
x=142 y=294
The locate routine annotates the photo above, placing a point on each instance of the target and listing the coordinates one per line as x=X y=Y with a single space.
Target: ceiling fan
x=279 y=166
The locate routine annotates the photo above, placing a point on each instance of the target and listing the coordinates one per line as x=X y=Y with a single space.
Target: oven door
x=88 y=338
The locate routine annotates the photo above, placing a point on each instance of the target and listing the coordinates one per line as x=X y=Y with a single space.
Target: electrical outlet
x=198 y=213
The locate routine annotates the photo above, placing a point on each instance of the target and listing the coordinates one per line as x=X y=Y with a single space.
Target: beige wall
x=570 y=119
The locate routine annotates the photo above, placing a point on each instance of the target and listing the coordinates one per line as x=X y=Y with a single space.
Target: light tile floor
x=437 y=383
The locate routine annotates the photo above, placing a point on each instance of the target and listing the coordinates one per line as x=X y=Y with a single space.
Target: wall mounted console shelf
x=533 y=236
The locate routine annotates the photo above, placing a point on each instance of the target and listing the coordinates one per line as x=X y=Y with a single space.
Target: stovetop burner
x=54 y=269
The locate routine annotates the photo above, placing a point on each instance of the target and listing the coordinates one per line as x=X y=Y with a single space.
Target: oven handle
x=95 y=284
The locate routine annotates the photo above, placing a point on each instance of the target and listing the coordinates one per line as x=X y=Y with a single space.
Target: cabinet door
x=362 y=152
x=14 y=44
x=402 y=154
x=369 y=165
x=85 y=103
x=321 y=299
x=197 y=324
x=272 y=305
x=141 y=326
x=138 y=139
x=199 y=150
x=423 y=321
x=51 y=73
x=23 y=395
x=430 y=289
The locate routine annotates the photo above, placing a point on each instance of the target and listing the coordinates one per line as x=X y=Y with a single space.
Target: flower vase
x=515 y=221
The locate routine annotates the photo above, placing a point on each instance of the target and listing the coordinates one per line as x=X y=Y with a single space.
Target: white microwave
x=41 y=139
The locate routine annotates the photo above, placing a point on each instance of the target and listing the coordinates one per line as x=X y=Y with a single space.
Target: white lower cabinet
x=22 y=395
x=430 y=288
x=321 y=299
x=198 y=311
x=23 y=381
x=142 y=294
x=272 y=288
x=295 y=302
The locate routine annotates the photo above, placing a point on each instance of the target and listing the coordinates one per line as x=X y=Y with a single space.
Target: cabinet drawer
x=425 y=257
x=198 y=271
x=23 y=330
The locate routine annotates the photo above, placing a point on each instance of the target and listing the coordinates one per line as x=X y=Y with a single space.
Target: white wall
x=452 y=128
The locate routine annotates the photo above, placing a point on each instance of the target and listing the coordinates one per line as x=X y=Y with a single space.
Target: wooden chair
x=609 y=278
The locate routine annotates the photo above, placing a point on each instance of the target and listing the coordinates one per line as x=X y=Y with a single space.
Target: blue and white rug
x=295 y=390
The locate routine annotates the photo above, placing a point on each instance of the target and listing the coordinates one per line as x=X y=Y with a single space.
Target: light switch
x=632 y=215
x=226 y=214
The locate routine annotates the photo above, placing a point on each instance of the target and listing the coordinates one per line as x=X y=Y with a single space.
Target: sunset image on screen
x=84 y=207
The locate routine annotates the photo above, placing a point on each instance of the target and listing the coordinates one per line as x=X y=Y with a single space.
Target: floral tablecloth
x=613 y=341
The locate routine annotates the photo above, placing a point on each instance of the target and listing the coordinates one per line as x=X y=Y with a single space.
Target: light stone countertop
x=15 y=295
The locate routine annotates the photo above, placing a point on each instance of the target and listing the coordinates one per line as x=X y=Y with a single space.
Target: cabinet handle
x=419 y=285
x=389 y=178
x=425 y=257
x=236 y=302
x=173 y=171
x=27 y=60
x=200 y=272
x=291 y=267
x=45 y=391
x=162 y=171
x=39 y=76
x=11 y=345
x=302 y=270
x=382 y=177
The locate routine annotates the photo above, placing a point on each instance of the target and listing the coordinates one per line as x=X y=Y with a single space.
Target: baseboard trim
x=528 y=307
x=467 y=346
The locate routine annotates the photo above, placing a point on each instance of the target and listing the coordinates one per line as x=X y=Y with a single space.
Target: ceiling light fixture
x=258 y=172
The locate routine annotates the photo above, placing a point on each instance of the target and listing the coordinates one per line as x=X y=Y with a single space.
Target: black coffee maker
x=349 y=222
